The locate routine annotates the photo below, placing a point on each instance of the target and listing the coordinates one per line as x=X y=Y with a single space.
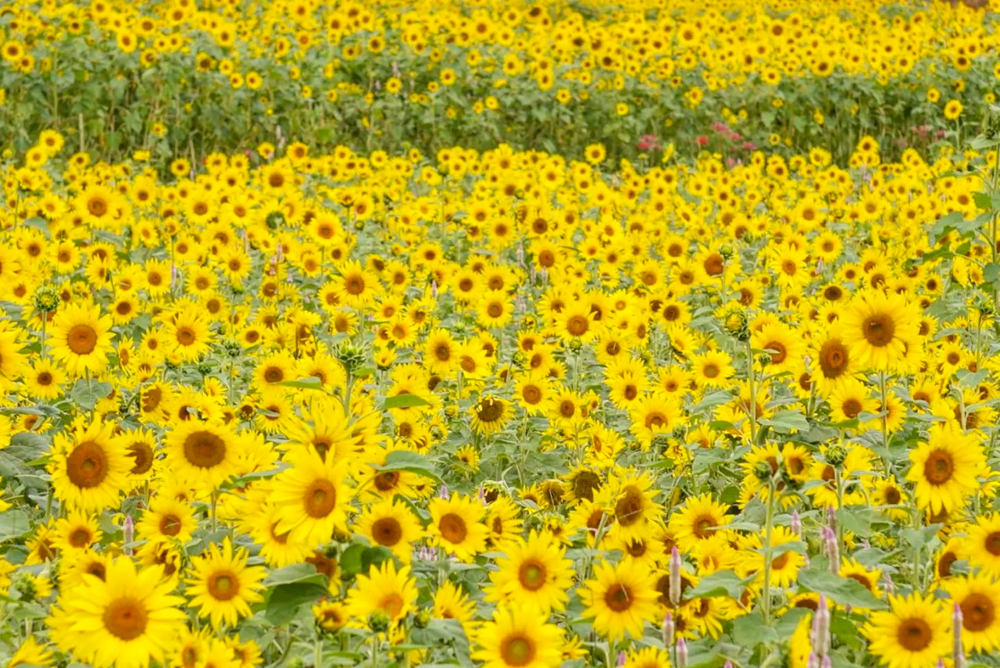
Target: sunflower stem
x=768 y=526
x=215 y=501
x=318 y=654
x=885 y=425
x=752 y=408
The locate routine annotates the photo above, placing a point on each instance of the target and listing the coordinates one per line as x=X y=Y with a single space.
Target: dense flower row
x=179 y=76
x=500 y=407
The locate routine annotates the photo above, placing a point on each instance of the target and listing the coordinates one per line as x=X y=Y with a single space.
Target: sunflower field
x=535 y=333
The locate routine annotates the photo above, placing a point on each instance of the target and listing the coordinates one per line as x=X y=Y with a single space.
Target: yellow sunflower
x=81 y=339
x=222 y=585
x=128 y=619
x=519 y=639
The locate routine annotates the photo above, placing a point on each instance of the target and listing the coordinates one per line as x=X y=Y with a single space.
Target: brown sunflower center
x=87 y=465
x=992 y=543
x=80 y=537
x=387 y=531
x=938 y=467
x=713 y=264
x=204 y=449
x=628 y=508
x=185 y=336
x=517 y=650
x=97 y=206
x=618 y=597
x=81 y=339
x=532 y=574
x=833 y=358
x=531 y=394
x=354 y=285
x=578 y=325
x=489 y=410
x=223 y=585
x=170 y=525
x=453 y=528
x=320 y=498
x=852 y=408
x=584 y=485
x=878 y=329
x=142 y=457
x=914 y=634
x=780 y=352
x=125 y=618
x=386 y=480
x=978 y=612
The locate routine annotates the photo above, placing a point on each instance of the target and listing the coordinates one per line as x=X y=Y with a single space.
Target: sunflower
x=385 y=589
x=167 y=518
x=881 y=330
x=532 y=572
x=782 y=344
x=127 y=620
x=978 y=596
x=945 y=468
x=76 y=531
x=654 y=415
x=275 y=548
x=450 y=602
x=222 y=585
x=982 y=546
x=916 y=632
x=635 y=511
x=188 y=335
x=694 y=521
x=832 y=362
x=202 y=452
x=440 y=353
x=620 y=599
x=12 y=362
x=81 y=339
x=312 y=498
x=523 y=639
x=330 y=615
x=495 y=309
x=44 y=380
x=650 y=657
x=356 y=286
x=31 y=653
x=457 y=526
x=490 y=415
x=391 y=524
x=89 y=467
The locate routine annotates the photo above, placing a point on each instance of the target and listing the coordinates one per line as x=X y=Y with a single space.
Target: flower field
x=543 y=334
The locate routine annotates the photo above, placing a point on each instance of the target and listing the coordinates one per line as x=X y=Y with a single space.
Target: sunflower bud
x=575 y=345
x=762 y=471
x=46 y=299
x=734 y=318
x=835 y=455
x=422 y=619
x=379 y=622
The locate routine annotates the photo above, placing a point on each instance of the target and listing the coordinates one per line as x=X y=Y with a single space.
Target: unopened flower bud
x=128 y=534
x=675 y=577
x=682 y=653
x=958 y=652
x=668 y=630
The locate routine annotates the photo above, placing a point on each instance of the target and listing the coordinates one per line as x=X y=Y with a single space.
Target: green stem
x=768 y=527
x=752 y=408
